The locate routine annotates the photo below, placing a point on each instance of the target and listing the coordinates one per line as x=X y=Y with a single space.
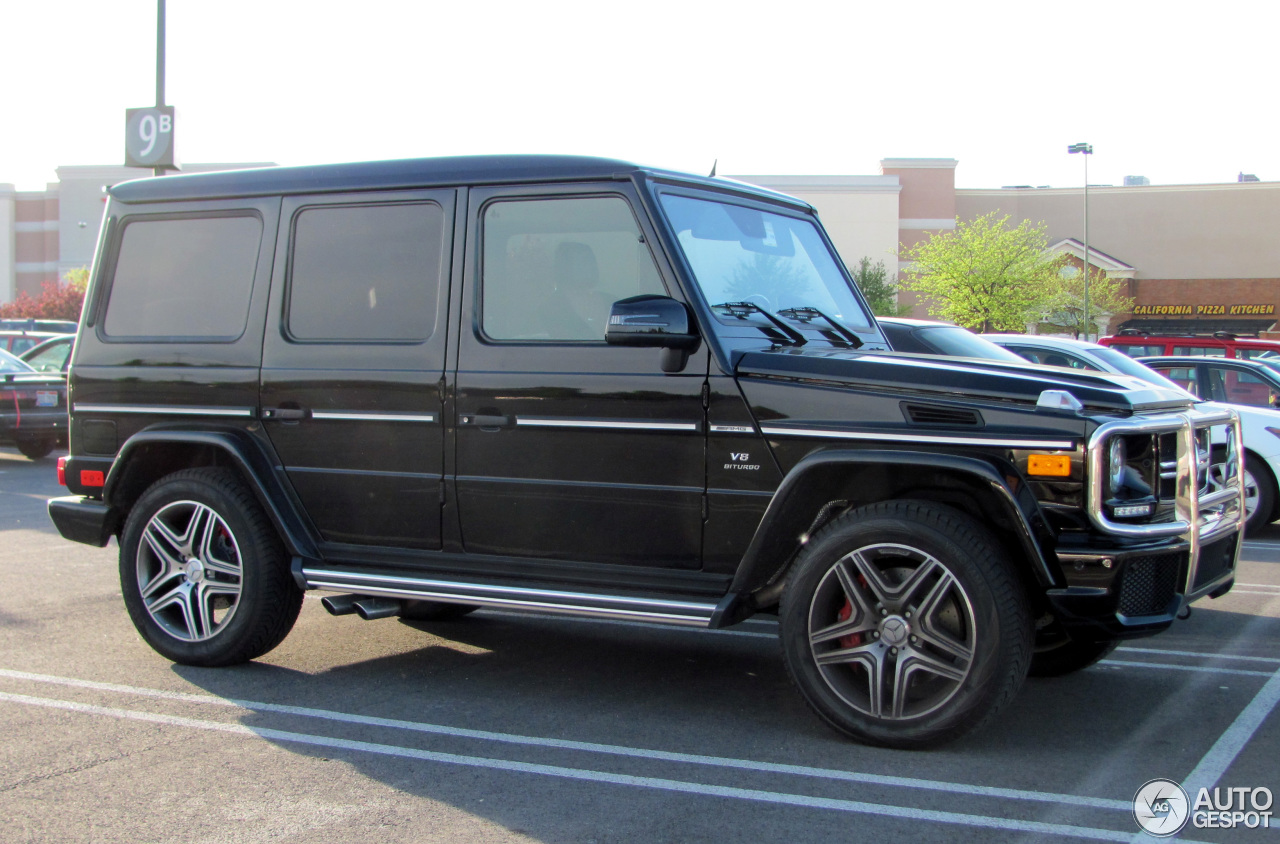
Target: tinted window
x=8 y=363
x=1139 y=351
x=184 y=277
x=1051 y=357
x=366 y=272
x=1200 y=351
x=554 y=267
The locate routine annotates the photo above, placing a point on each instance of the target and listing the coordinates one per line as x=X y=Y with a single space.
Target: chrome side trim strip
x=902 y=436
x=169 y=410
x=346 y=416
x=627 y=425
x=682 y=613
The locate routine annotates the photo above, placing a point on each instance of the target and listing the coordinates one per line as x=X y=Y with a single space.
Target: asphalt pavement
x=508 y=727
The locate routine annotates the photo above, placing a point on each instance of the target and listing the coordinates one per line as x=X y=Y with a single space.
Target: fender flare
x=247 y=455
x=789 y=515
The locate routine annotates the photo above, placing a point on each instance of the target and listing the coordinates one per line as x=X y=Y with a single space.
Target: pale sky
x=1175 y=91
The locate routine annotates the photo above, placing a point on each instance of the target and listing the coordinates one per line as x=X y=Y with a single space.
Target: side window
x=1239 y=387
x=1200 y=351
x=1138 y=351
x=51 y=359
x=1183 y=376
x=187 y=278
x=552 y=268
x=365 y=272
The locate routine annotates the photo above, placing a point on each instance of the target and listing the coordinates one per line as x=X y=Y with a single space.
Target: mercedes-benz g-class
x=574 y=385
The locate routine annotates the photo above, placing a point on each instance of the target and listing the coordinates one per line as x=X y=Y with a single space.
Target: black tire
x=919 y=595
x=214 y=571
x=1056 y=653
x=1256 y=472
x=36 y=448
x=434 y=610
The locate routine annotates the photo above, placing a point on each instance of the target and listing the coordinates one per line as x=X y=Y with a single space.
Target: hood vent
x=935 y=415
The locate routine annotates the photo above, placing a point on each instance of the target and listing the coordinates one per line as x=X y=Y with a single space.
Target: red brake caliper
x=853 y=639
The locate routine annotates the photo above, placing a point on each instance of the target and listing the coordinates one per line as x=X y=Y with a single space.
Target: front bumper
x=1152 y=572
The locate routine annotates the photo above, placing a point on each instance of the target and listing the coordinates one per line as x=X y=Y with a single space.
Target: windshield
x=8 y=363
x=954 y=340
x=1126 y=365
x=775 y=262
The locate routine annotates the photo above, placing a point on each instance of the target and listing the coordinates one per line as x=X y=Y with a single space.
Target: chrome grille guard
x=1202 y=513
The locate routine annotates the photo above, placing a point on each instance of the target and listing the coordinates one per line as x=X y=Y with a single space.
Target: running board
x=658 y=611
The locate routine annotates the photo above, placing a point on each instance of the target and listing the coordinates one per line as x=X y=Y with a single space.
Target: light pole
x=1086 y=150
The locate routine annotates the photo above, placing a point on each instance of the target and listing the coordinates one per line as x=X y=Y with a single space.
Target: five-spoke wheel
x=203 y=572
x=904 y=625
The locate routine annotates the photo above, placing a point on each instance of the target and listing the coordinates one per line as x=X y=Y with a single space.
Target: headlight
x=1117 y=460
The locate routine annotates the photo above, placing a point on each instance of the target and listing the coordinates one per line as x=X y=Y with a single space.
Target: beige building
x=1194 y=257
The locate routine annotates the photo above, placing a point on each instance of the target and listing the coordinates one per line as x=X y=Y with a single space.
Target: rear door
x=353 y=360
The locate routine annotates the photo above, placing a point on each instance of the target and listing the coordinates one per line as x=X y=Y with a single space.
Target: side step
x=658 y=611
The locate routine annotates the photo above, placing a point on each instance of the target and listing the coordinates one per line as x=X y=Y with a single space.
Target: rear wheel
x=35 y=448
x=203 y=573
x=904 y=625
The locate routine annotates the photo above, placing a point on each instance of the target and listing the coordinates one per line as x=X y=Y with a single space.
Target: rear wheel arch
x=154 y=454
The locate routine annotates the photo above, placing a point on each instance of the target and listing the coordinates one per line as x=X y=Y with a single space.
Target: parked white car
x=1260 y=427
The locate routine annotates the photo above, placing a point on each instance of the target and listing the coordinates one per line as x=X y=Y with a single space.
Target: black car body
x=580 y=386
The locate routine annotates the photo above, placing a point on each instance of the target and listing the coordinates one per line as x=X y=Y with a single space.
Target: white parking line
x=1228 y=746
x=1202 y=654
x=1205 y=669
x=754 y=795
x=590 y=747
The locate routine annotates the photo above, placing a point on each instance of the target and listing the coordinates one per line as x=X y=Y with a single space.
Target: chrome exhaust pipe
x=339 y=604
x=371 y=608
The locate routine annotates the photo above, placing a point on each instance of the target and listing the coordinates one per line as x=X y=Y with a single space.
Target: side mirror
x=655 y=322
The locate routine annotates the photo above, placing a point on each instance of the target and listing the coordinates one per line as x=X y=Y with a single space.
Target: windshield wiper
x=806 y=314
x=740 y=310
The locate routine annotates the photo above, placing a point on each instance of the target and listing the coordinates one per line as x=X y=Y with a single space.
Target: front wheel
x=1056 y=653
x=204 y=576
x=904 y=625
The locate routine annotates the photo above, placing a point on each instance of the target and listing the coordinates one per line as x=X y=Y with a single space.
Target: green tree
x=881 y=291
x=1065 y=309
x=984 y=275
x=56 y=301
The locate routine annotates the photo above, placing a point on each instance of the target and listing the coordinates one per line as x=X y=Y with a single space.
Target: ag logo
x=1161 y=808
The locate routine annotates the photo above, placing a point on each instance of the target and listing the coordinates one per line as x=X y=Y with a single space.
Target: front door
x=353 y=361
x=568 y=448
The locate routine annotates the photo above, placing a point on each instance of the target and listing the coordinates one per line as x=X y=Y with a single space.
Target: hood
x=960 y=378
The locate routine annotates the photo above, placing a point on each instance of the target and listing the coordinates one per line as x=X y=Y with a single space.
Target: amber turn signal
x=1052 y=465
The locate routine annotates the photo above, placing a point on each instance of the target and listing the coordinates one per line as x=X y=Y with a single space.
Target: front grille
x=1149 y=584
x=1216 y=559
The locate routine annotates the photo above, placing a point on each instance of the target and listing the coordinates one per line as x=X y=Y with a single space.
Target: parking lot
x=501 y=727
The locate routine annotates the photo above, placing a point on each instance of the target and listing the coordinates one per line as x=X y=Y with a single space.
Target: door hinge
x=706 y=507
x=706 y=395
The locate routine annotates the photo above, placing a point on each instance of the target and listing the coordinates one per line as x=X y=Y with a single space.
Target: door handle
x=484 y=420
x=286 y=414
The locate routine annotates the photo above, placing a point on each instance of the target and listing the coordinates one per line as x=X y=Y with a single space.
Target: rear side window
x=186 y=278
x=1200 y=351
x=1135 y=350
x=366 y=272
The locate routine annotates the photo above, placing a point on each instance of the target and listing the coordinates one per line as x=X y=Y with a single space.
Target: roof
x=1048 y=341
x=401 y=174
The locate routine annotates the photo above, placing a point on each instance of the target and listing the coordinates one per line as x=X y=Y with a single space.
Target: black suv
x=574 y=385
